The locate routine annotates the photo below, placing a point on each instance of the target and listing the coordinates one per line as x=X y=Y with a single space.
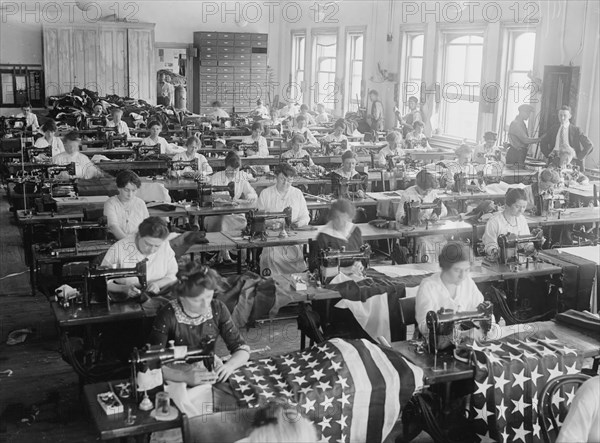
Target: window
x=355 y=43
x=413 y=71
x=461 y=85
x=297 y=77
x=21 y=84
x=325 y=49
x=520 y=89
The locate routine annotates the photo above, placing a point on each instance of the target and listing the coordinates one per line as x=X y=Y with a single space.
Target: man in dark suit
x=565 y=134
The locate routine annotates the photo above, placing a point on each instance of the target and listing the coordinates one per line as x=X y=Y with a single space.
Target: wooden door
x=112 y=61
x=142 y=72
x=85 y=52
x=58 y=66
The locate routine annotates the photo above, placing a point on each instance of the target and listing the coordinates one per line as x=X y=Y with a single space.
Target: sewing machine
x=412 y=211
x=341 y=186
x=296 y=162
x=114 y=140
x=95 y=282
x=549 y=202
x=447 y=322
x=334 y=148
x=467 y=182
x=416 y=144
x=33 y=153
x=332 y=260
x=180 y=165
x=146 y=363
x=516 y=243
x=206 y=191
x=243 y=148
x=256 y=223
x=95 y=122
x=55 y=170
x=144 y=152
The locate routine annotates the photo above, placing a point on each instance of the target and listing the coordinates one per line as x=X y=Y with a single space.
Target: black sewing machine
x=243 y=148
x=549 y=202
x=206 y=191
x=331 y=260
x=347 y=187
x=55 y=170
x=13 y=125
x=467 y=182
x=152 y=358
x=334 y=148
x=446 y=322
x=517 y=244
x=114 y=140
x=61 y=180
x=180 y=165
x=144 y=152
x=416 y=144
x=256 y=225
x=33 y=153
x=296 y=162
x=412 y=211
x=95 y=282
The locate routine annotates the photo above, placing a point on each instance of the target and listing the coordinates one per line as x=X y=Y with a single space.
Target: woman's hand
x=360 y=193
x=153 y=288
x=224 y=371
x=133 y=291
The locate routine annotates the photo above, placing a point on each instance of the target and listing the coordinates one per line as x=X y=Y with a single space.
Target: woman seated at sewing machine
x=154 y=138
x=348 y=172
x=284 y=259
x=452 y=288
x=425 y=190
x=339 y=231
x=194 y=317
x=31 y=120
x=463 y=165
x=217 y=111
x=303 y=130
x=416 y=139
x=509 y=220
x=561 y=161
x=243 y=193
x=304 y=111
x=488 y=150
x=49 y=139
x=124 y=212
x=149 y=242
x=257 y=137
x=296 y=151
x=192 y=144
x=116 y=122
x=393 y=149
x=337 y=136
x=322 y=116
x=84 y=168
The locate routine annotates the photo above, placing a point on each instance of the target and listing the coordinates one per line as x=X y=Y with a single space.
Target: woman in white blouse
x=124 y=212
x=256 y=137
x=49 y=139
x=509 y=221
x=192 y=144
x=155 y=128
x=451 y=288
x=393 y=149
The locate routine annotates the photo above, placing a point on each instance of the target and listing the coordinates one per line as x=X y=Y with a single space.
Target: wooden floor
x=40 y=378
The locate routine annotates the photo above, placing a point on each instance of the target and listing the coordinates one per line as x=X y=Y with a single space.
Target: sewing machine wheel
x=424 y=258
x=266 y=272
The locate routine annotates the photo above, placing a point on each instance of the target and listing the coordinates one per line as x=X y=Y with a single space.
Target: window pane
x=524 y=50
x=474 y=64
x=455 y=64
x=416 y=47
x=358 y=47
x=415 y=68
x=461 y=119
x=8 y=94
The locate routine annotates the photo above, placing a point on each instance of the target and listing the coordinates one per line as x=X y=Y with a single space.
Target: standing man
x=518 y=136
x=564 y=135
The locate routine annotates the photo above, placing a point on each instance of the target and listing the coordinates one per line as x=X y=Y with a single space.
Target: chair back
x=225 y=427
x=408 y=314
x=545 y=410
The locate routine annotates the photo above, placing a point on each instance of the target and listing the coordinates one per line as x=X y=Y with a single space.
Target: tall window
x=520 y=88
x=325 y=48
x=355 y=42
x=298 y=56
x=461 y=85
x=413 y=72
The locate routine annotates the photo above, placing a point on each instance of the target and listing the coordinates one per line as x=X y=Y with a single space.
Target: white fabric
x=84 y=168
x=218 y=113
x=499 y=225
x=583 y=420
x=399 y=270
x=127 y=217
x=122 y=129
x=57 y=145
x=381 y=156
x=154 y=192
x=284 y=259
x=125 y=254
x=331 y=137
x=434 y=295
x=203 y=166
x=372 y=314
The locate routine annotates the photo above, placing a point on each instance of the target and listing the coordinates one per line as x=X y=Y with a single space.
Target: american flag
x=352 y=390
x=509 y=375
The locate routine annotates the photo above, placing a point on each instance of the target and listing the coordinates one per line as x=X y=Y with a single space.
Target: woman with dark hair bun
x=124 y=212
x=49 y=129
x=195 y=317
x=451 y=288
x=348 y=172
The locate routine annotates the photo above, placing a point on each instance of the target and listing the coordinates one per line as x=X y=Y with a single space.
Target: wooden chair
x=223 y=427
x=545 y=401
x=407 y=314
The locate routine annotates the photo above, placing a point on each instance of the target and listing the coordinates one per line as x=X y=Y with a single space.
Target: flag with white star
x=352 y=390
x=509 y=375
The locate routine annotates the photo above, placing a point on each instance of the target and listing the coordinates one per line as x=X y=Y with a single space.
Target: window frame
x=23 y=70
x=297 y=58
x=315 y=88
x=348 y=73
x=405 y=49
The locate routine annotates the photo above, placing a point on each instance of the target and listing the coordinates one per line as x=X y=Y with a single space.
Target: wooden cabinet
x=232 y=68
x=110 y=58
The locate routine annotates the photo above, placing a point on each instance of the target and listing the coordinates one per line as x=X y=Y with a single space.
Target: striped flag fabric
x=352 y=390
x=509 y=375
